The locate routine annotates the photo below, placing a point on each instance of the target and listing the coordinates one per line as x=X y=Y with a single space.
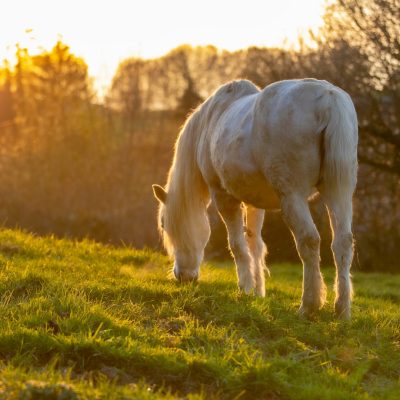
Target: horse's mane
x=226 y=94
x=185 y=212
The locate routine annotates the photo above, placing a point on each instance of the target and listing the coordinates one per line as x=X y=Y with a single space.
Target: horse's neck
x=187 y=195
x=185 y=179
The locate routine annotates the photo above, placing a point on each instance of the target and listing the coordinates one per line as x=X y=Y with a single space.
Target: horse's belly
x=250 y=187
x=237 y=171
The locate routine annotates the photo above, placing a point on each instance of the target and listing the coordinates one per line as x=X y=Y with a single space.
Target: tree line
x=72 y=165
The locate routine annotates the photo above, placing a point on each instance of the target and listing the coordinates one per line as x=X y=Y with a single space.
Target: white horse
x=268 y=148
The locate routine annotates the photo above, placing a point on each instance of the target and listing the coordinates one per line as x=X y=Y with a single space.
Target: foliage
x=74 y=167
x=359 y=49
x=82 y=320
x=371 y=29
x=70 y=166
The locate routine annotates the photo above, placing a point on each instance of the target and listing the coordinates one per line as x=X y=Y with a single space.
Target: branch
x=381 y=166
x=385 y=134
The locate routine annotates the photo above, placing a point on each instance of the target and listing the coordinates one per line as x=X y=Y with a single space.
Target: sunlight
x=106 y=32
x=187 y=189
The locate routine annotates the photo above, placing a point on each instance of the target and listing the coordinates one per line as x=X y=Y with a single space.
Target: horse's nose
x=185 y=277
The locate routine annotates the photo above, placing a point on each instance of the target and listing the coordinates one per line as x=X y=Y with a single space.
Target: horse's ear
x=159 y=193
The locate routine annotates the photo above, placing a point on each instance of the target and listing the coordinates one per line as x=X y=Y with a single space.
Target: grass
x=87 y=321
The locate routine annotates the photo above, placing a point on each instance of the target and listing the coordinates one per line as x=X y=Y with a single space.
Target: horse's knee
x=312 y=241
x=234 y=246
x=347 y=239
x=257 y=247
x=309 y=242
x=342 y=243
x=238 y=249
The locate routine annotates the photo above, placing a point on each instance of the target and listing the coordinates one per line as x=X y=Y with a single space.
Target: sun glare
x=105 y=32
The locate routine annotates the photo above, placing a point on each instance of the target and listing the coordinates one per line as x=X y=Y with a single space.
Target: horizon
x=133 y=28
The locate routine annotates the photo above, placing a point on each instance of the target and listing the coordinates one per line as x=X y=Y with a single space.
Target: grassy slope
x=80 y=320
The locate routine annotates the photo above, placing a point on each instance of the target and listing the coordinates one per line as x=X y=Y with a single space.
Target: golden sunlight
x=105 y=32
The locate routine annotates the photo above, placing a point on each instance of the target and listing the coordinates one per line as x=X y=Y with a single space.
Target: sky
x=104 y=32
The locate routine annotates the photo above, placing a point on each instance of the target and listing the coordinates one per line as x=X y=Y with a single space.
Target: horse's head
x=179 y=242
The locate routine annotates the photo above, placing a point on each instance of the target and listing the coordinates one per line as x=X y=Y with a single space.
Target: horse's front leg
x=232 y=215
x=257 y=247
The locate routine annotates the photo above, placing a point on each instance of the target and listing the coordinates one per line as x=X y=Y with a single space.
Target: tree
x=371 y=29
x=127 y=91
x=50 y=90
x=178 y=81
x=358 y=49
x=266 y=65
x=6 y=98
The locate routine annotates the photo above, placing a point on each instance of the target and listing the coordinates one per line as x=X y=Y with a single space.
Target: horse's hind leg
x=298 y=217
x=258 y=250
x=340 y=215
x=231 y=212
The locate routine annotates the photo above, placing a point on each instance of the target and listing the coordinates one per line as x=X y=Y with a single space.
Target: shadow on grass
x=172 y=370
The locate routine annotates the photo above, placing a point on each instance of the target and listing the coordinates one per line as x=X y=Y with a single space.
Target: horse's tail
x=340 y=143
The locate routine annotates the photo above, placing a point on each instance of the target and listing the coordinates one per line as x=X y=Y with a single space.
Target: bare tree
x=372 y=28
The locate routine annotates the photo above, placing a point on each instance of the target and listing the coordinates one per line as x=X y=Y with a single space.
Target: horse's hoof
x=342 y=312
x=260 y=291
x=304 y=312
x=246 y=290
x=308 y=311
x=247 y=286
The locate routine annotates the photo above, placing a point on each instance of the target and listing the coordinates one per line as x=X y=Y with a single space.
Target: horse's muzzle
x=185 y=277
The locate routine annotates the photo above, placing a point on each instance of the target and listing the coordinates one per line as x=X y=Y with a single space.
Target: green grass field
x=86 y=321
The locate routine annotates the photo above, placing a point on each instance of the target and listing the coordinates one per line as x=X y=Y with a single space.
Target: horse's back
x=270 y=142
x=289 y=109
